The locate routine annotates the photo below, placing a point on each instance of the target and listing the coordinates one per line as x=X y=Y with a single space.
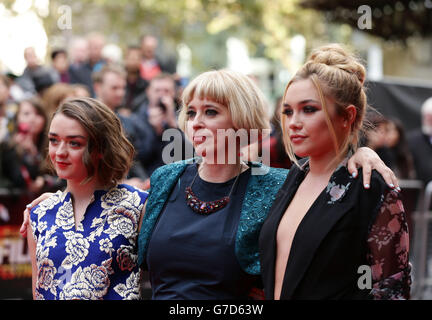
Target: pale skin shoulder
x=305 y=196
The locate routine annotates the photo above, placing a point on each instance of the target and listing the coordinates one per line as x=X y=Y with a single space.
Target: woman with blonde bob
x=327 y=237
x=199 y=237
x=83 y=242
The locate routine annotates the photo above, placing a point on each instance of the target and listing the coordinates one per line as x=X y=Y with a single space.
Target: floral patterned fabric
x=98 y=259
x=388 y=243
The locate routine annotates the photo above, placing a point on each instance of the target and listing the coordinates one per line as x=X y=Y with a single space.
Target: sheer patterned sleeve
x=388 y=243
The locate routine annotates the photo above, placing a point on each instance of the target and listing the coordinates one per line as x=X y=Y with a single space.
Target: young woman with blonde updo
x=327 y=237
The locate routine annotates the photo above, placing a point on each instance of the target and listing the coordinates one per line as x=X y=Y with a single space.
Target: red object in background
x=149 y=72
x=23 y=128
x=15 y=266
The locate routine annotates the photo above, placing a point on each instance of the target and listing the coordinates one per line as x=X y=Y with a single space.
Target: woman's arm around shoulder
x=26 y=213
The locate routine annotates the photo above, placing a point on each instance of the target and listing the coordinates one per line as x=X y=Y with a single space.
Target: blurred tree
x=391 y=19
x=204 y=25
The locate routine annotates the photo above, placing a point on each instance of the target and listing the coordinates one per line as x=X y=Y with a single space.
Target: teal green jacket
x=263 y=185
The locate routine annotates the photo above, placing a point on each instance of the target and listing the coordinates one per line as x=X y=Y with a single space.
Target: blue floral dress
x=98 y=258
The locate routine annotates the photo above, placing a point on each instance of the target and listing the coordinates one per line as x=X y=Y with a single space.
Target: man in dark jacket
x=135 y=84
x=81 y=72
x=159 y=114
x=109 y=85
x=35 y=77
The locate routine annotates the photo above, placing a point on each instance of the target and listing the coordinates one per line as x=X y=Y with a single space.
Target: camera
x=23 y=128
x=162 y=106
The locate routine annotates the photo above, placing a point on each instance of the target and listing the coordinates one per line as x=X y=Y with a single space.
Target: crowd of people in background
x=387 y=137
x=408 y=154
x=144 y=92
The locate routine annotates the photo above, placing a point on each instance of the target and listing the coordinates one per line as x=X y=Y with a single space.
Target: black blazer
x=330 y=242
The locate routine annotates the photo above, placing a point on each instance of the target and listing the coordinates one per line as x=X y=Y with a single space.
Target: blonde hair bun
x=334 y=55
x=339 y=74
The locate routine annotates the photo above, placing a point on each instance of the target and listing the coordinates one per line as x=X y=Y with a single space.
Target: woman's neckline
x=210 y=183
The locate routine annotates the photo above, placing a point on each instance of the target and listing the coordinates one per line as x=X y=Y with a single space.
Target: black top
x=347 y=230
x=191 y=256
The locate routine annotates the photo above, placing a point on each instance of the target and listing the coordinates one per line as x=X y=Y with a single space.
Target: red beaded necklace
x=207 y=207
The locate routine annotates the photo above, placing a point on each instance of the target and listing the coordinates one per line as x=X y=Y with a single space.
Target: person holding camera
x=109 y=86
x=159 y=114
x=160 y=107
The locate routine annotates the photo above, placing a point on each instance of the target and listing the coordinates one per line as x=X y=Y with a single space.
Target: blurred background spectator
x=54 y=95
x=135 y=83
x=375 y=136
x=420 y=143
x=387 y=137
x=23 y=154
x=96 y=43
x=278 y=155
x=110 y=86
x=151 y=65
x=80 y=90
x=158 y=113
x=88 y=59
x=402 y=158
x=79 y=72
x=60 y=63
x=5 y=112
x=36 y=77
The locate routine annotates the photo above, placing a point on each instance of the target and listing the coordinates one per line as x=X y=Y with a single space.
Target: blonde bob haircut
x=338 y=75
x=106 y=140
x=244 y=100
